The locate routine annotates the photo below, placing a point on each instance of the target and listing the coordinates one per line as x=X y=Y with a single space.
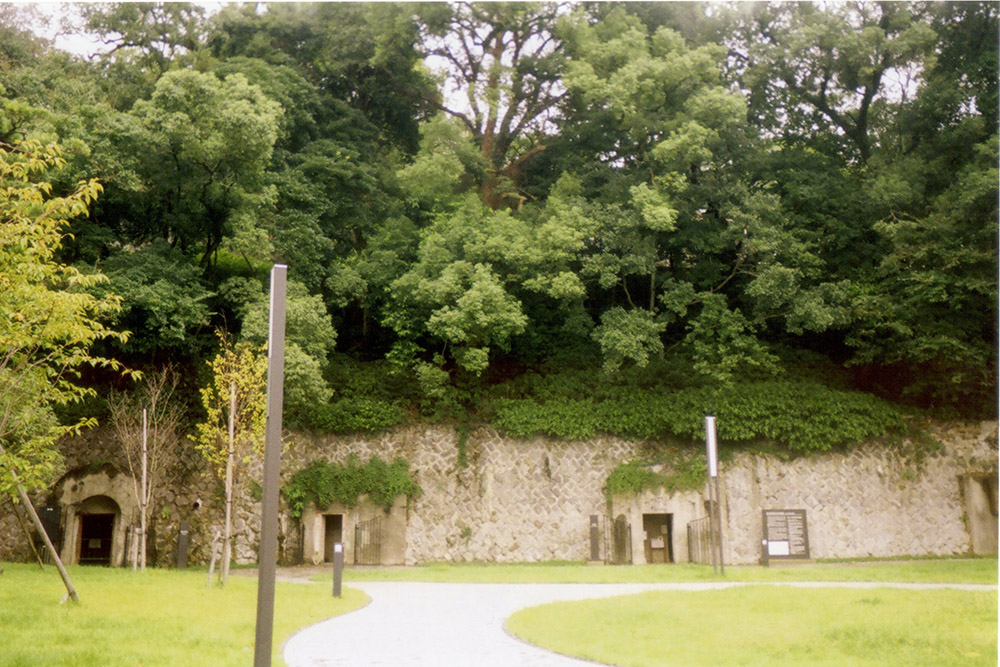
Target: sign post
x=714 y=513
x=268 y=549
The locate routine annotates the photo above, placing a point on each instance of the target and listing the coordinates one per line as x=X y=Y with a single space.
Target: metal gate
x=700 y=541
x=368 y=542
x=621 y=541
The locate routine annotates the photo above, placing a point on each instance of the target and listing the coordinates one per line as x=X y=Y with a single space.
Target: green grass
x=952 y=571
x=157 y=617
x=771 y=626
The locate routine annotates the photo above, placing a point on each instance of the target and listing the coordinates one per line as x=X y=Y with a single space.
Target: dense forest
x=560 y=218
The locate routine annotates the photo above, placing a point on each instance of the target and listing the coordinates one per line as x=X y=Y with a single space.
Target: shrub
x=350 y=415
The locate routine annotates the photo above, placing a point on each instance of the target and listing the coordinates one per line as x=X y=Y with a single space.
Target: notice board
x=786 y=535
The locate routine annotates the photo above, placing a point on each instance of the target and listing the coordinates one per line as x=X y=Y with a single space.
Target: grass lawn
x=771 y=626
x=958 y=570
x=159 y=617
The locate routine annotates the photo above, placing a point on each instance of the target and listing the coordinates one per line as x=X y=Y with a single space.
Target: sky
x=80 y=45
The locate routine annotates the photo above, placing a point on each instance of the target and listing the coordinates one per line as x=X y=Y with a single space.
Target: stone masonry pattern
x=531 y=500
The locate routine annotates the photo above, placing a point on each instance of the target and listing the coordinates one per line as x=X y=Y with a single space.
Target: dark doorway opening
x=333 y=531
x=96 y=531
x=659 y=537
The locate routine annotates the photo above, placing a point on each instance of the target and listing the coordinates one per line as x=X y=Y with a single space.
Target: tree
x=147 y=424
x=49 y=320
x=310 y=338
x=167 y=303
x=200 y=147
x=664 y=192
x=822 y=72
x=504 y=61
x=232 y=434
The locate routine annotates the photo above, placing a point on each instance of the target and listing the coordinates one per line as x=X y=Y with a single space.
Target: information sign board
x=786 y=535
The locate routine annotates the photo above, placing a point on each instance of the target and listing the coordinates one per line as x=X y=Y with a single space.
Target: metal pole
x=144 y=503
x=268 y=550
x=338 y=568
x=718 y=522
x=711 y=451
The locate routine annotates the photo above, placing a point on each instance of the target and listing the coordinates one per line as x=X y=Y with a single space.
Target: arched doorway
x=98 y=505
x=98 y=517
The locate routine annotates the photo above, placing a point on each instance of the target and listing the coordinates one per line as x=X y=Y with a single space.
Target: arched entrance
x=97 y=516
x=98 y=506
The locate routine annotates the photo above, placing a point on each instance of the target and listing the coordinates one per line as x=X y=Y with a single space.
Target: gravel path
x=460 y=625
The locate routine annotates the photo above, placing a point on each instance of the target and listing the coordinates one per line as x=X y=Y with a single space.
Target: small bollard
x=338 y=567
x=183 y=544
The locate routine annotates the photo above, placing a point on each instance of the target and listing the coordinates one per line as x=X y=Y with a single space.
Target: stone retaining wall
x=531 y=500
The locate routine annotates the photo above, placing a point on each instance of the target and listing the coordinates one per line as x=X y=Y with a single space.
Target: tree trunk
x=30 y=509
x=227 y=539
x=27 y=535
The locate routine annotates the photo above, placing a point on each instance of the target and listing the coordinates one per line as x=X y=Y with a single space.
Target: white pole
x=711 y=454
x=715 y=508
x=144 y=508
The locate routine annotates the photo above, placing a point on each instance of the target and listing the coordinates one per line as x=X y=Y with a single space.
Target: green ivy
x=351 y=415
x=680 y=471
x=802 y=416
x=323 y=483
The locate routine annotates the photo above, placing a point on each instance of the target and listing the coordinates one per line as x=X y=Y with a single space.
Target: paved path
x=412 y=624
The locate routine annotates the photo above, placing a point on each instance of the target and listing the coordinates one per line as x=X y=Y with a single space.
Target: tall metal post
x=268 y=549
x=714 y=514
x=718 y=523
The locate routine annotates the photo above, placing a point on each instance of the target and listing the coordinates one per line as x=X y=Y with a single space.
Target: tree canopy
x=474 y=193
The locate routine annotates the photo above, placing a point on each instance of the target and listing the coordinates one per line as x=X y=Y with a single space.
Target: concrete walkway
x=461 y=625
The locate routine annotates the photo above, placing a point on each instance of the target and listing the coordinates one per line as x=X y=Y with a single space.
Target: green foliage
x=49 y=315
x=323 y=483
x=167 y=298
x=674 y=470
x=309 y=338
x=236 y=394
x=804 y=417
x=356 y=414
x=613 y=188
x=628 y=335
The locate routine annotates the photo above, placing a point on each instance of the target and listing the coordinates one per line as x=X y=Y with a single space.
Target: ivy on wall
x=323 y=483
x=801 y=416
x=679 y=470
x=354 y=414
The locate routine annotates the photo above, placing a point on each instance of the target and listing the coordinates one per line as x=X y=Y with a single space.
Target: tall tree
x=810 y=69
x=232 y=434
x=201 y=147
x=501 y=64
x=49 y=320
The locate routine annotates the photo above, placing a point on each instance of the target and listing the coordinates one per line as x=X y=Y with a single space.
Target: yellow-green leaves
x=48 y=318
x=237 y=391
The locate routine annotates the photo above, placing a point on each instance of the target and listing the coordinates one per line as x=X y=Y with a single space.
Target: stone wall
x=869 y=502
x=531 y=500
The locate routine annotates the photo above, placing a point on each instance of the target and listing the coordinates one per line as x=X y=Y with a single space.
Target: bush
x=351 y=415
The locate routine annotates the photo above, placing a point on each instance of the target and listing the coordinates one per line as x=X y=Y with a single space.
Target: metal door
x=368 y=542
x=621 y=552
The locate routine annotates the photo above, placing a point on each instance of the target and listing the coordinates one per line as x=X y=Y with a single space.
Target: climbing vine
x=673 y=470
x=323 y=483
x=804 y=417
